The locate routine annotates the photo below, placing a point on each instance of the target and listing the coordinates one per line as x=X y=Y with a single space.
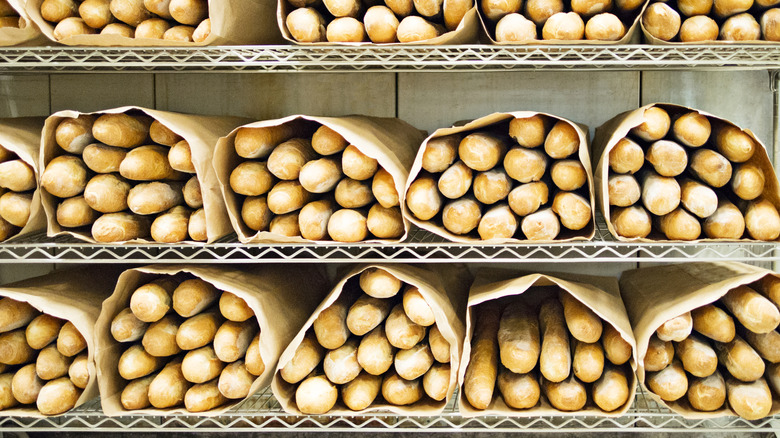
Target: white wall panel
x=270 y=96
x=95 y=92
x=22 y=96
x=434 y=100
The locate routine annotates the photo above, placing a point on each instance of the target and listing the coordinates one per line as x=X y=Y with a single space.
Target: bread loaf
x=125 y=327
x=587 y=361
x=436 y=382
x=697 y=357
x=43 y=330
x=234 y=308
x=192 y=296
x=118 y=227
x=120 y=29
x=51 y=364
x=555 y=357
x=750 y=401
x=235 y=381
x=15 y=208
x=676 y=329
x=199 y=330
x=74 y=134
x=583 y=324
x=747 y=181
x=123 y=130
x=659 y=354
x=160 y=338
x=480 y=379
x=70 y=341
x=201 y=365
x=726 y=223
x=7 y=399
x=568 y=175
x=316 y=395
x=481 y=151
x=375 y=354
x=767 y=345
x=180 y=157
x=57 y=396
x=366 y=313
x=65 y=176
x=103 y=159
x=739 y=358
x=135 y=363
x=169 y=387
x=151 y=301
x=670 y=383
x=385 y=223
x=147 y=163
x=414 y=362
x=416 y=308
x=287 y=159
x=232 y=339
x=708 y=393
x=698 y=28
x=492 y=186
x=626 y=156
x=519 y=391
x=679 y=225
x=567 y=395
x=307 y=356
x=107 y=193
x=751 y=309
x=528 y=198
x=604 y=27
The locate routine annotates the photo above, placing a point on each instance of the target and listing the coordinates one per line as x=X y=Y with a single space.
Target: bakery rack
x=262 y=411
x=384 y=58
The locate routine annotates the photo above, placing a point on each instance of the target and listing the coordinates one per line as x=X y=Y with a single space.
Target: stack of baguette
x=523 y=179
x=724 y=351
x=380 y=337
x=564 y=345
x=518 y=21
x=18 y=183
x=110 y=176
x=187 y=343
x=304 y=179
x=43 y=359
x=691 y=21
x=9 y=17
x=687 y=175
x=173 y=20
x=378 y=21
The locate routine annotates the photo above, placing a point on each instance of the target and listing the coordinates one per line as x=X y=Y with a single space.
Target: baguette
x=626 y=156
x=375 y=354
x=413 y=363
x=381 y=24
x=151 y=301
x=74 y=134
x=201 y=365
x=573 y=210
x=541 y=225
x=567 y=395
x=697 y=357
x=253 y=359
x=288 y=158
x=670 y=383
x=461 y=216
x=498 y=223
x=234 y=308
x=345 y=30
x=582 y=322
x=357 y=165
x=713 y=323
x=401 y=332
x=136 y=393
x=525 y=165
x=367 y=313
x=436 y=382
x=43 y=330
x=286 y=197
x=341 y=365
x=189 y=12
x=480 y=379
x=769 y=286
x=555 y=356
x=57 y=396
x=154 y=197
x=255 y=213
x=481 y=151
x=519 y=391
x=750 y=401
x=611 y=391
x=385 y=223
x=440 y=348
x=153 y=28
x=251 y=178
x=423 y=198
x=180 y=157
x=235 y=381
x=147 y=163
x=587 y=361
x=659 y=354
x=74 y=213
x=401 y=8
x=378 y=283
x=676 y=329
x=160 y=337
x=78 y=372
x=351 y=193
x=762 y=220
x=529 y=132
x=26 y=385
x=440 y=153
x=692 y=129
x=169 y=387
x=679 y=225
x=123 y=130
x=330 y=327
x=698 y=198
x=320 y=176
x=203 y=397
x=400 y=392
x=51 y=364
x=562 y=140
x=361 y=392
x=752 y=309
x=660 y=194
x=414 y=28
x=192 y=296
x=735 y=144
x=631 y=222
x=518 y=339
x=740 y=359
x=616 y=349
x=69 y=341
x=326 y=141
x=528 y=198
x=767 y=345
x=455 y=181
x=655 y=126
x=667 y=157
x=316 y=395
x=307 y=356
x=7 y=399
x=171 y=226
x=492 y=186
x=119 y=227
x=747 y=181
x=313 y=219
x=708 y=393
x=726 y=223
x=710 y=167
x=568 y=175
x=383 y=188
x=15 y=314
x=17 y=176
x=103 y=159
x=70 y=27
x=158 y=132
x=125 y=327
x=260 y=142
x=65 y=176
x=416 y=308
x=15 y=208
x=347 y=225
x=135 y=363
x=106 y=193
x=233 y=338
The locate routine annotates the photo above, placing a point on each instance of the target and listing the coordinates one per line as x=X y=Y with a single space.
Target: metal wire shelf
x=387 y=58
x=421 y=246
x=262 y=412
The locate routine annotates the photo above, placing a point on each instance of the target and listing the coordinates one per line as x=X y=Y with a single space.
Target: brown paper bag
x=444 y=291
x=22 y=136
x=282 y=297
x=201 y=132
x=466 y=32
x=600 y=294
x=650 y=39
x=632 y=35
x=233 y=22
x=607 y=136
x=392 y=142
x=657 y=294
x=435 y=226
x=26 y=34
x=72 y=295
